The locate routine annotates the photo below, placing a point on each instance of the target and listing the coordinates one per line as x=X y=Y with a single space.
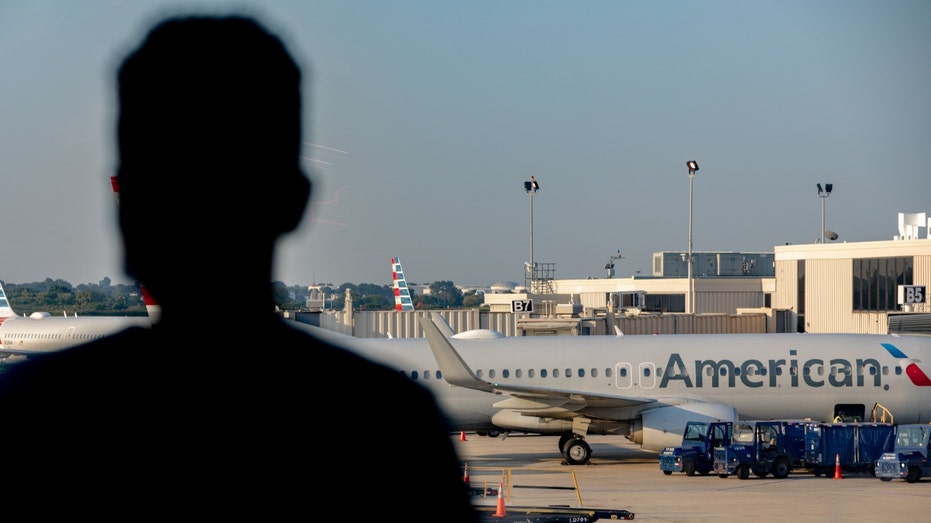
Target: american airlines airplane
x=643 y=387
x=41 y=332
x=648 y=387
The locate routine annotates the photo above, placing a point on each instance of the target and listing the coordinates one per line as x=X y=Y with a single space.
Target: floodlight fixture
x=692 y=165
x=531 y=185
x=824 y=192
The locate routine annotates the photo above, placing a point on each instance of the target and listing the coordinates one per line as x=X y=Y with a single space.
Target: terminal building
x=871 y=287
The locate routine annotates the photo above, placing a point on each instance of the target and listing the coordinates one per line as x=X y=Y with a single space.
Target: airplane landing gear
x=574 y=449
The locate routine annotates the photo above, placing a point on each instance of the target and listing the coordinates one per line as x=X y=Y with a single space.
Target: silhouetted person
x=219 y=411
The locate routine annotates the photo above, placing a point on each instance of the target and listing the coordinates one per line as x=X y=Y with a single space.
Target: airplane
x=402 y=294
x=40 y=332
x=648 y=387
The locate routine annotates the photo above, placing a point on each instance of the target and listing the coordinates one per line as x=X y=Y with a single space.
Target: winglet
x=455 y=370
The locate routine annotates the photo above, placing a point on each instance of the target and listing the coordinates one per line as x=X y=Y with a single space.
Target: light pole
x=531 y=186
x=824 y=193
x=693 y=168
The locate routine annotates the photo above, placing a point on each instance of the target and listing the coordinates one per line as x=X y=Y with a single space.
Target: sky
x=423 y=120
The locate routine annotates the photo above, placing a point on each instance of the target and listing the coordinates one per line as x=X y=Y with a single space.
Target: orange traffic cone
x=465 y=476
x=462 y=436
x=500 y=511
x=837 y=474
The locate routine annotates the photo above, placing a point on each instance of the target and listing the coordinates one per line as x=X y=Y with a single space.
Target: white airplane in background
x=40 y=332
x=648 y=387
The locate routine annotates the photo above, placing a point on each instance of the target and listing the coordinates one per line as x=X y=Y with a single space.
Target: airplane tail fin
x=151 y=306
x=5 y=310
x=402 y=295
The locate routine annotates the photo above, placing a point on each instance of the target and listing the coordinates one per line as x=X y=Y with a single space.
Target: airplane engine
x=662 y=427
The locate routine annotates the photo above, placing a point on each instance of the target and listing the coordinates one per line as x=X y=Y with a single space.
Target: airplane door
x=647 y=375
x=69 y=334
x=624 y=375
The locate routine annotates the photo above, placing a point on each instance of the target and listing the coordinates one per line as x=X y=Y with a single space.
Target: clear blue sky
x=432 y=114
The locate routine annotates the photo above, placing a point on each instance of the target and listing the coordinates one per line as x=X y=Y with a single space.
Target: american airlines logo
x=914 y=373
x=754 y=373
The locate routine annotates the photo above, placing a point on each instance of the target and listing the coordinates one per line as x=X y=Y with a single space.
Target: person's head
x=209 y=136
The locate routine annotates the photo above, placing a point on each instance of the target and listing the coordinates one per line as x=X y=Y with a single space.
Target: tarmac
x=529 y=470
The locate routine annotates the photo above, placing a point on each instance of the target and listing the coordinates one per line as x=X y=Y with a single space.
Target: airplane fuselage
x=613 y=381
x=35 y=335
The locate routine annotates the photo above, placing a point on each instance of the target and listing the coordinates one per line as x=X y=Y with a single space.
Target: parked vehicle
x=908 y=459
x=853 y=446
x=696 y=454
x=762 y=448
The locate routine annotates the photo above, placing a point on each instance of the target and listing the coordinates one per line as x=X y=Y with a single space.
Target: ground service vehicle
x=761 y=448
x=908 y=459
x=696 y=454
x=855 y=446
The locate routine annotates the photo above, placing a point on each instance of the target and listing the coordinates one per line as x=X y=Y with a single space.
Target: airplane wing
x=457 y=372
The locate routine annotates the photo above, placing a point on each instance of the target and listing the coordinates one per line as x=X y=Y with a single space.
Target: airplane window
x=542 y=373
x=505 y=373
x=608 y=372
x=737 y=371
x=581 y=373
x=793 y=371
x=594 y=372
x=439 y=374
x=873 y=371
x=491 y=374
x=623 y=372
x=778 y=371
x=568 y=373
x=762 y=371
x=898 y=371
x=478 y=373
x=414 y=375
x=517 y=373
x=723 y=371
x=530 y=373
x=426 y=374
x=709 y=372
x=555 y=373
x=885 y=370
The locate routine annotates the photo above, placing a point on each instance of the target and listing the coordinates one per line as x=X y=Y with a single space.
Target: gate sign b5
x=521 y=305
x=909 y=294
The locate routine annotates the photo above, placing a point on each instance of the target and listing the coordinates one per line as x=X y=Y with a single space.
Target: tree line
x=105 y=298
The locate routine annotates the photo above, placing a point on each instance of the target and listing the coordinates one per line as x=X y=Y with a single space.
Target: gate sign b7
x=909 y=294
x=521 y=305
